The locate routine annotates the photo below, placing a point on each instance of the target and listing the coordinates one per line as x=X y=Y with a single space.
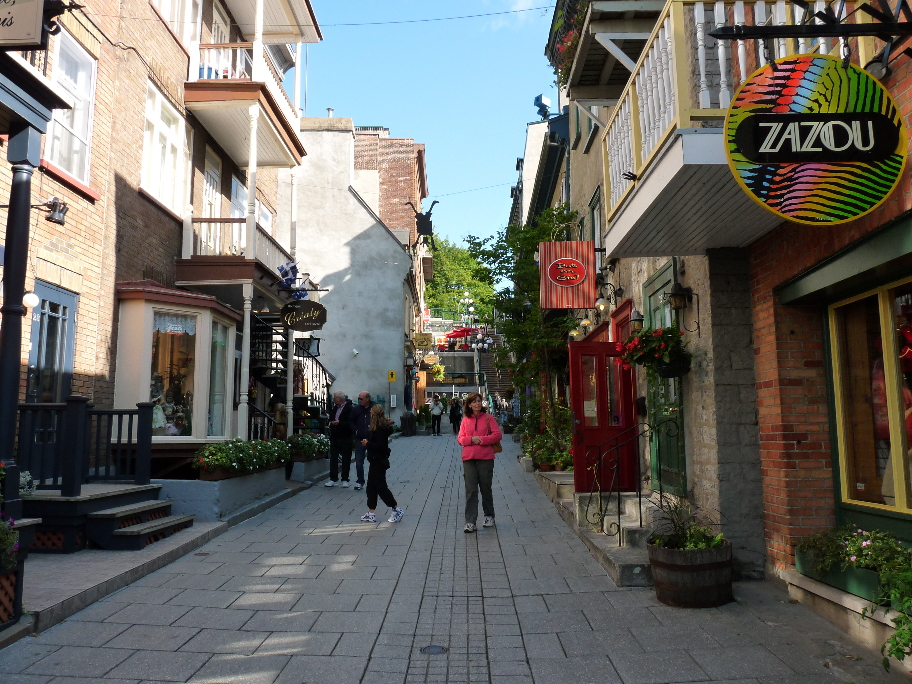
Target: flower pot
x=858 y=581
x=560 y=466
x=678 y=366
x=545 y=467
x=700 y=578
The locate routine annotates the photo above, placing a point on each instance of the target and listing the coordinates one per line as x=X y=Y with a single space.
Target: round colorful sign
x=814 y=141
x=567 y=272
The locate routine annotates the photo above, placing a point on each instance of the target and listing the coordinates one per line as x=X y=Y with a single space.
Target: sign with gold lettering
x=815 y=141
x=567 y=280
x=424 y=340
x=303 y=315
x=21 y=23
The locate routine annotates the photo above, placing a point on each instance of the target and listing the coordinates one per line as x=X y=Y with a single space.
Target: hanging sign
x=815 y=142
x=303 y=315
x=424 y=340
x=21 y=23
x=566 y=274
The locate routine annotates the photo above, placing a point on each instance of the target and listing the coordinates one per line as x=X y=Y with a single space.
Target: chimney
x=329 y=112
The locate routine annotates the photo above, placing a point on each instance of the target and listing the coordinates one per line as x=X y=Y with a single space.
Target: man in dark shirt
x=340 y=439
x=360 y=424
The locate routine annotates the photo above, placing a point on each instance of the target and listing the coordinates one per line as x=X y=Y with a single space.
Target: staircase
x=498 y=381
x=269 y=352
x=117 y=517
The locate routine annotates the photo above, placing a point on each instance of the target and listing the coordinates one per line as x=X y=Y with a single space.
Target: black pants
x=376 y=486
x=435 y=424
x=478 y=474
x=456 y=424
x=339 y=448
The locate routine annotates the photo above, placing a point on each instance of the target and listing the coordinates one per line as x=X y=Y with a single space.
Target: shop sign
x=303 y=315
x=21 y=23
x=814 y=141
x=566 y=274
x=424 y=340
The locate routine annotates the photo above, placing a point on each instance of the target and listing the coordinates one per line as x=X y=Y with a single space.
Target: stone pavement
x=305 y=592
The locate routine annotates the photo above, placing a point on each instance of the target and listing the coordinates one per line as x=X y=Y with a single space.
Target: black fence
x=64 y=446
x=260 y=425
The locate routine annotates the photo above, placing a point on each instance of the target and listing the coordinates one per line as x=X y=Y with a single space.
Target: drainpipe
x=251 y=251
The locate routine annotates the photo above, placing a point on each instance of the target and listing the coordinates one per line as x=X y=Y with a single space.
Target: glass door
x=53 y=341
x=663 y=395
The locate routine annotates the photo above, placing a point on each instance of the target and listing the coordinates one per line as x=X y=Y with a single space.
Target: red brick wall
x=793 y=412
x=398 y=163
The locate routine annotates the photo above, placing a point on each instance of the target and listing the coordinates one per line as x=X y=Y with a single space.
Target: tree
x=535 y=341
x=456 y=271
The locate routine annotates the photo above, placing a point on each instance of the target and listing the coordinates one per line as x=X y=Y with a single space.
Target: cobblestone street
x=306 y=593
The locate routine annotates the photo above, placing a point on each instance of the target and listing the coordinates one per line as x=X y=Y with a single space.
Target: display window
x=871 y=338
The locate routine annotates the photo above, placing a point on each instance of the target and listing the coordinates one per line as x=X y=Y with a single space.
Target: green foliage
x=423 y=414
x=457 y=271
x=680 y=526
x=438 y=372
x=548 y=441
x=849 y=546
x=896 y=589
x=9 y=543
x=535 y=350
x=308 y=446
x=239 y=457
x=649 y=347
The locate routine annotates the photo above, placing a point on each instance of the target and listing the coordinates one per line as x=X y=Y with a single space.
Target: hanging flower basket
x=677 y=366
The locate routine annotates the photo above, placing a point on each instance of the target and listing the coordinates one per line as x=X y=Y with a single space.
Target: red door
x=601 y=397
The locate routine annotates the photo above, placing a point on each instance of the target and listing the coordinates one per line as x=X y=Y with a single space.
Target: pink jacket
x=483 y=426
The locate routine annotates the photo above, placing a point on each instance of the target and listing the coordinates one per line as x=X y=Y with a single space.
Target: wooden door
x=604 y=426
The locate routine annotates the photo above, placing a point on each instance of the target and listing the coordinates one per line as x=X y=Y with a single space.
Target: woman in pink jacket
x=478 y=434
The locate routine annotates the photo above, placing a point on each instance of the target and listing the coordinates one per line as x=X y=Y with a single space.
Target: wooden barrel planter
x=699 y=578
x=11 y=593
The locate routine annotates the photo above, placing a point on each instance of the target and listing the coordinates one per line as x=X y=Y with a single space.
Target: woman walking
x=455 y=414
x=378 y=453
x=478 y=434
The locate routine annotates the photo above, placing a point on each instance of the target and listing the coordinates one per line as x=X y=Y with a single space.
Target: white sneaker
x=330 y=483
x=368 y=517
x=345 y=483
x=396 y=515
x=469 y=527
x=358 y=486
x=488 y=521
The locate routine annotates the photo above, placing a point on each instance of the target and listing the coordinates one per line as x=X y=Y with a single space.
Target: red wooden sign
x=566 y=274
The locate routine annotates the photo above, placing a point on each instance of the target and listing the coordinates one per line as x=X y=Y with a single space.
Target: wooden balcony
x=669 y=186
x=223 y=83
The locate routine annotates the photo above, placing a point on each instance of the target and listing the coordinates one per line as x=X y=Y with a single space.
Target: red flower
x=662 y=346
x=659 y=330
x=201 y=460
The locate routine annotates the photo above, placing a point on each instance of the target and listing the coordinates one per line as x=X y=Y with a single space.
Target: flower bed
x=238 y=457
x=306 y=446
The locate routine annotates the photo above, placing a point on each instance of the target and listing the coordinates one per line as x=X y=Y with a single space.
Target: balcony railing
x=228 y=237
x=237 y=61
x=686 y=79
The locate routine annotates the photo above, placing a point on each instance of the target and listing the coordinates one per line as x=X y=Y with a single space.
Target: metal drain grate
x=434 y=650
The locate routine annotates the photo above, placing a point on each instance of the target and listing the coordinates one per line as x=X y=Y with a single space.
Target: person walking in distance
x=340 y=439
x=436 y=415
x=360 y=422
x=455 y=414
x=378 y=453
x=478 y=434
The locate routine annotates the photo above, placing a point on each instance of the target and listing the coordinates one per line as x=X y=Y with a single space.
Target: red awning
x=460 y=332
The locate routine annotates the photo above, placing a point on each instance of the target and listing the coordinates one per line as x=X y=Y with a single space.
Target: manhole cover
x=434 y=650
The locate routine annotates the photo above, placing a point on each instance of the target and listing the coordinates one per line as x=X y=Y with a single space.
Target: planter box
x=11 y=582
x=219 y=473
x=857 y=581
x=214 y=500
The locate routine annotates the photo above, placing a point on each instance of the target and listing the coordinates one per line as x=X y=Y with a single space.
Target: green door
x=663 y=395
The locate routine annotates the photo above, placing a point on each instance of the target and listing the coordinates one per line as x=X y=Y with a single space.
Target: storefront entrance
x=605 y=430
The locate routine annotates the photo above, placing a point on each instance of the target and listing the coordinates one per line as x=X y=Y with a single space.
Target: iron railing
x=260 y=425
x=64 y=446
x=605 y=462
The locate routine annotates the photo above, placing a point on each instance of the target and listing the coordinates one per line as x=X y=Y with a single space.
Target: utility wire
x=460 y=192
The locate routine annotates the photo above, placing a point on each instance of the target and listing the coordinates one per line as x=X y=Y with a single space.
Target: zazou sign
x=815 y=141
x=21 y=23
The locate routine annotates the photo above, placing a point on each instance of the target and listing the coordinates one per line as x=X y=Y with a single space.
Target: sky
x=463 y=87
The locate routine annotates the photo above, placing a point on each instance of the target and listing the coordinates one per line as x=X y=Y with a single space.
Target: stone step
x=133 y=509
x=140 y=536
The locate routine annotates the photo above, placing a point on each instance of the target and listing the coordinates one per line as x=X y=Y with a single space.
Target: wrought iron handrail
x=607 y=459
x=260 y=424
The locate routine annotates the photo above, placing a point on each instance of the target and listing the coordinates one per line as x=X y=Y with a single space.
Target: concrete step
x=556 y=485
x=140 y=536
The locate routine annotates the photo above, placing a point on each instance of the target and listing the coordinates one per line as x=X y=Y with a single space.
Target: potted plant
x=691 y=563
x=438 y=372
x=11 y=571
x=660 y=350
x=306 y=446
x=563 y=460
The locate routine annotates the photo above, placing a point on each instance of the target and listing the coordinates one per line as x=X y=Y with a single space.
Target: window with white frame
x=166 y=152
x=70 y=134
x=238 y=211
x=182 y=16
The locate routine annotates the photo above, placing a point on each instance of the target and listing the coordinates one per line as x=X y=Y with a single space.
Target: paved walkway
x=306 y=593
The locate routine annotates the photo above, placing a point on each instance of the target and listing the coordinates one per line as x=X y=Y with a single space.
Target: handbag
x=498 y=447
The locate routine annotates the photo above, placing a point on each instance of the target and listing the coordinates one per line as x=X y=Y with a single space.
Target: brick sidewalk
x=306 y=593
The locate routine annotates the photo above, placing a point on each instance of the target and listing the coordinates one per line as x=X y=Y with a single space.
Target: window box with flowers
x=236 y=457
x=306 y=447
x=660 y=350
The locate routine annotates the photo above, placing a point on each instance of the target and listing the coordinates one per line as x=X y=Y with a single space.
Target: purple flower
x=852 y=558
x=16 y=546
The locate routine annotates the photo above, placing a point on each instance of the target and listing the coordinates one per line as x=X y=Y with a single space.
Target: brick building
x=168 y=163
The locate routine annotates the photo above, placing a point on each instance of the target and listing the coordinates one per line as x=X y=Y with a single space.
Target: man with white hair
x=340 y=439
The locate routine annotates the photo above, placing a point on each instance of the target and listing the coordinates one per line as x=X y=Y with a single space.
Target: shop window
x=173 y=364
x=872 y=338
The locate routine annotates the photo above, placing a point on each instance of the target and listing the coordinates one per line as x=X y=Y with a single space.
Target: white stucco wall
x=348 y=251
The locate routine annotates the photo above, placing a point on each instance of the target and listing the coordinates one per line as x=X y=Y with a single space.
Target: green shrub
x=308 y=446
x=238 y=456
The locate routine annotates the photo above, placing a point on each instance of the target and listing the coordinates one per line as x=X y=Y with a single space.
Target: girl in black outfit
x=455 y=415
x=378 y=453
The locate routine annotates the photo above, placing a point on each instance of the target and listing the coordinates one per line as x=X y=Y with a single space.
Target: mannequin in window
x=883 y=450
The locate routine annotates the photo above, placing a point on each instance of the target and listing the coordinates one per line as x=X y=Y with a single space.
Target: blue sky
x=463 y=87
